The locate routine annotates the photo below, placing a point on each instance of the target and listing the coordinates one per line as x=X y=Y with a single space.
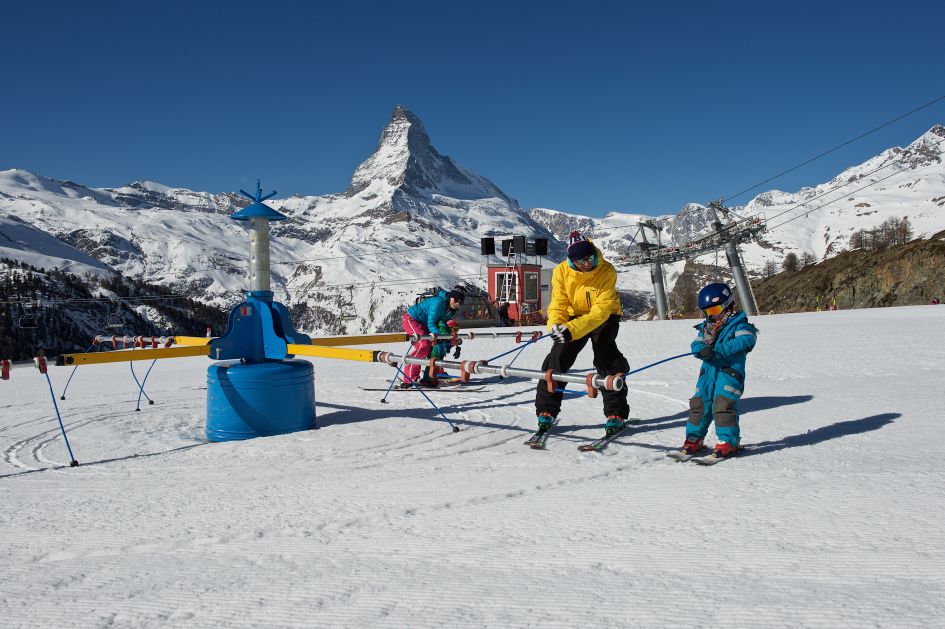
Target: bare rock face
x=106 y=246
x=561 y=224
x=905 y=275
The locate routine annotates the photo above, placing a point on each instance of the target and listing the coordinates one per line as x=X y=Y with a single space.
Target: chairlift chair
x=113 y=319
x=347 y=307
x=27 y=319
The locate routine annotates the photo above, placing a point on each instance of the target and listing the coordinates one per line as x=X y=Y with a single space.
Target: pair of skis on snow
x=540 y=437
x=447 y=386
x=682 y=456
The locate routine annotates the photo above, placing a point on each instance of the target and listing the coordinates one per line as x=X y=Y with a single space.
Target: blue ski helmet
x=716 y=295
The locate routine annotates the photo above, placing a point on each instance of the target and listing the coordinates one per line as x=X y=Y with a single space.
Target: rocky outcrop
x=905 y=275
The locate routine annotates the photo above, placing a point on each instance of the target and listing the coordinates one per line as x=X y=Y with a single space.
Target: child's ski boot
x=723 y=450
x=690 y=448
x=614 y=425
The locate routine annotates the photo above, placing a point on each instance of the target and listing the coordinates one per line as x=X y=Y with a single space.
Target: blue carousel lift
x=256 y=389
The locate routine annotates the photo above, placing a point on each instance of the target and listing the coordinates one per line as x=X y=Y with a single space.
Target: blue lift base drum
x=247 y=400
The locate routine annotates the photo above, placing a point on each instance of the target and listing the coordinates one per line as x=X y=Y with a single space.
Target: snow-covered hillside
x=898 y=183
x=412 y=219
x=22 y=242
x=831 y=517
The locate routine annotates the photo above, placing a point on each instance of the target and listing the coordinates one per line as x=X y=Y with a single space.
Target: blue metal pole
x=420 y=389
x=72 y=462
x=394 y=379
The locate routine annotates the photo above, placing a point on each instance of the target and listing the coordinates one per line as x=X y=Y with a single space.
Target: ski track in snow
x=385 y=517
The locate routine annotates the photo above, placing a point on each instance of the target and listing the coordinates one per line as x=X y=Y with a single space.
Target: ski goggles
x=713 y=311
x=588 y=260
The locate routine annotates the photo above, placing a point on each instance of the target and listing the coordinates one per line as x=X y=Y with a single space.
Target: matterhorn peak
x=407 y=161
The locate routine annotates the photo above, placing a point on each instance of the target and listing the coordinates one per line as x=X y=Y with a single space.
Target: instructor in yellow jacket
x=584 y=305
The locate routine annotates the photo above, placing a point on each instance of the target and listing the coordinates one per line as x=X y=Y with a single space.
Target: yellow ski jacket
x=583 y=301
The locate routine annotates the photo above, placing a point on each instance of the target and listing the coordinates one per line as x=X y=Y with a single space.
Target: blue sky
x=584 y=107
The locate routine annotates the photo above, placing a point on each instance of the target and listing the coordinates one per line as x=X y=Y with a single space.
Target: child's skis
x=599 y=444
x=540 y=436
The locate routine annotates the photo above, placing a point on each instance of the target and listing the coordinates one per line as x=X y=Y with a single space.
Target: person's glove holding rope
x=560 y=333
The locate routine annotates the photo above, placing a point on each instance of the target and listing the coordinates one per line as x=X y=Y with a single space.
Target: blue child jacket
x=430 y=312
x=732 y=344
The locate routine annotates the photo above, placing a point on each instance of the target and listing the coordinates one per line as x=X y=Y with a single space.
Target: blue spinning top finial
x=258 y=208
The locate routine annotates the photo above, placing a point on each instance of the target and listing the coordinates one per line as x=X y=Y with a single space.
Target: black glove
x=705 y=353
x=456 y=351
x=560 y=333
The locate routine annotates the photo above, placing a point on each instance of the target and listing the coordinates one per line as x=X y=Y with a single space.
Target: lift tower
x=725 y=236
x=742 y=285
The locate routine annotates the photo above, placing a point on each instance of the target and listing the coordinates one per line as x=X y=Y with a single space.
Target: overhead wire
x=869 y=185
x=893 y=162
x=92 y=300
x=816 y=157
x=835 y=148
x=361 y=255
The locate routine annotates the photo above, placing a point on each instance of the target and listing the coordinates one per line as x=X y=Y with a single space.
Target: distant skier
x=503 y=310
x=584 y=305
x=424 y=317
x=724 y=340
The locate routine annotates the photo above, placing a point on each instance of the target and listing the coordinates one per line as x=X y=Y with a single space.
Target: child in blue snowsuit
x=724 y=340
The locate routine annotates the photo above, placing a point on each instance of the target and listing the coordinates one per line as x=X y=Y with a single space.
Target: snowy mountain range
x=411 y=219
x=898 y=183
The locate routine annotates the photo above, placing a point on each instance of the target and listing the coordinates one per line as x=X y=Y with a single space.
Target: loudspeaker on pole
x=518 y=242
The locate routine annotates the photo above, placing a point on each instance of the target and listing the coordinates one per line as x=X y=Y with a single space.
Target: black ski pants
x=607 y=360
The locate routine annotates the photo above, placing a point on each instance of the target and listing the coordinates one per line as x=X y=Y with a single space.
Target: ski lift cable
x=839 y=146
x=790 y=209
x=820 y=207
x=379 y=253
x=827 y=152
x=92 y=300
x=840 y=187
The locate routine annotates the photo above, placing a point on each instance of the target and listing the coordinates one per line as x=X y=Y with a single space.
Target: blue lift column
x=256 y=389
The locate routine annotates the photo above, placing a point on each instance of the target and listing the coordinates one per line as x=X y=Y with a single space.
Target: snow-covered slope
x=411 y=219
x=383 y=517
x=21 y=242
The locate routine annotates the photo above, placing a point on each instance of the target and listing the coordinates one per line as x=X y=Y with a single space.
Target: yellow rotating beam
x=93 y=358
x=344 y=353
x=191 y=340
x=364 y=339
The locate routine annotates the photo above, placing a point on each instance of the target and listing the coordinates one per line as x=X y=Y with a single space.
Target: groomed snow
x=832 y=517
